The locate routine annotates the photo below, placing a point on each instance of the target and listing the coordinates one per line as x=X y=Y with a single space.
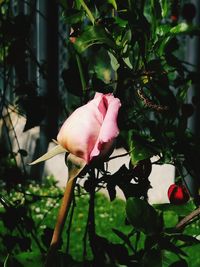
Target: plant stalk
x=87 y=10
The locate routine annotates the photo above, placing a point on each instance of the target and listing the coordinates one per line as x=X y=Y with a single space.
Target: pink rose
x=90 y=130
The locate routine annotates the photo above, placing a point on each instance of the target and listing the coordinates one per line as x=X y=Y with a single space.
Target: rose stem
x=64 y=208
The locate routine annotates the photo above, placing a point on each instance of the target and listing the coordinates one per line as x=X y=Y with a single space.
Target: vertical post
x=193 y=57
x=47 y=54
x=41 y=56
x=52 y=69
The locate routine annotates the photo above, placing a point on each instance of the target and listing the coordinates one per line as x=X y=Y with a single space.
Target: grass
x=108 y=216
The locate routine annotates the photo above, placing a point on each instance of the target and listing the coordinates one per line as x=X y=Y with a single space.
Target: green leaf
x=165 y=243
x=187 y=239
x=87 y=10
x=182 y=210
x=123 y=237
x=139 y=149
x=121 y=22
x=162 y=30
x=153 y=258
x=164 y=7
x=180 y=263
x=156 y=9
x=167 y=33
x=31 y=259
x=126 y=38
x=113 y=3
x=102 y=66
x=113 y=61
x=93 y=35
x=73 y=16
x=143 y=216
x=185 y=28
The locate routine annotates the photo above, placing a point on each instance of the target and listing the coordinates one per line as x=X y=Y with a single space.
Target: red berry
x=178 y=194
x=174 y=18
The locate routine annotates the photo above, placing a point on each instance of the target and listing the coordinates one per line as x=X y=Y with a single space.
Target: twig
x=35 y=238
x=9 y=140
x=41 y=196
x=187 y=219
x=70 y=224
x=85 y=239
x=45 y=215
x=119 y=156
x=16 y=139
x=5 y=264
x=149 y=103
x=91 y=224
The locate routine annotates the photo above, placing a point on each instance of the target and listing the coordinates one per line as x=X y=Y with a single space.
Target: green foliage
x=93 y=35
x=143 y=56
x=142 y=216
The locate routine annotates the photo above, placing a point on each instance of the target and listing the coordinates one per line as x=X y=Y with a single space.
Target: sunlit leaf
x=53 y=152
x=113 y=3
x=185 y=28
x=164 y=7
x=93 y=35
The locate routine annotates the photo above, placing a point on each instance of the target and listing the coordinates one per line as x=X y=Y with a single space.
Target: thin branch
x=186 y=220
x=35 y=238
x=70 y=224
x=17 y=141
x=45 y=215
x=119 y=156
x=5 y=264
x=85 y=239
x=9 y=140
x=149 y=103
x=42 y=196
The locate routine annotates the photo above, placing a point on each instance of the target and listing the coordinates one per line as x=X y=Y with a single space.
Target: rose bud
x=90 y=131
x=178 y=194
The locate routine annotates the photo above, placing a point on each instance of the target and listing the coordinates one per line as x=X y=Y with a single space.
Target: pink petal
x=80 y=131
x=109 y=129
